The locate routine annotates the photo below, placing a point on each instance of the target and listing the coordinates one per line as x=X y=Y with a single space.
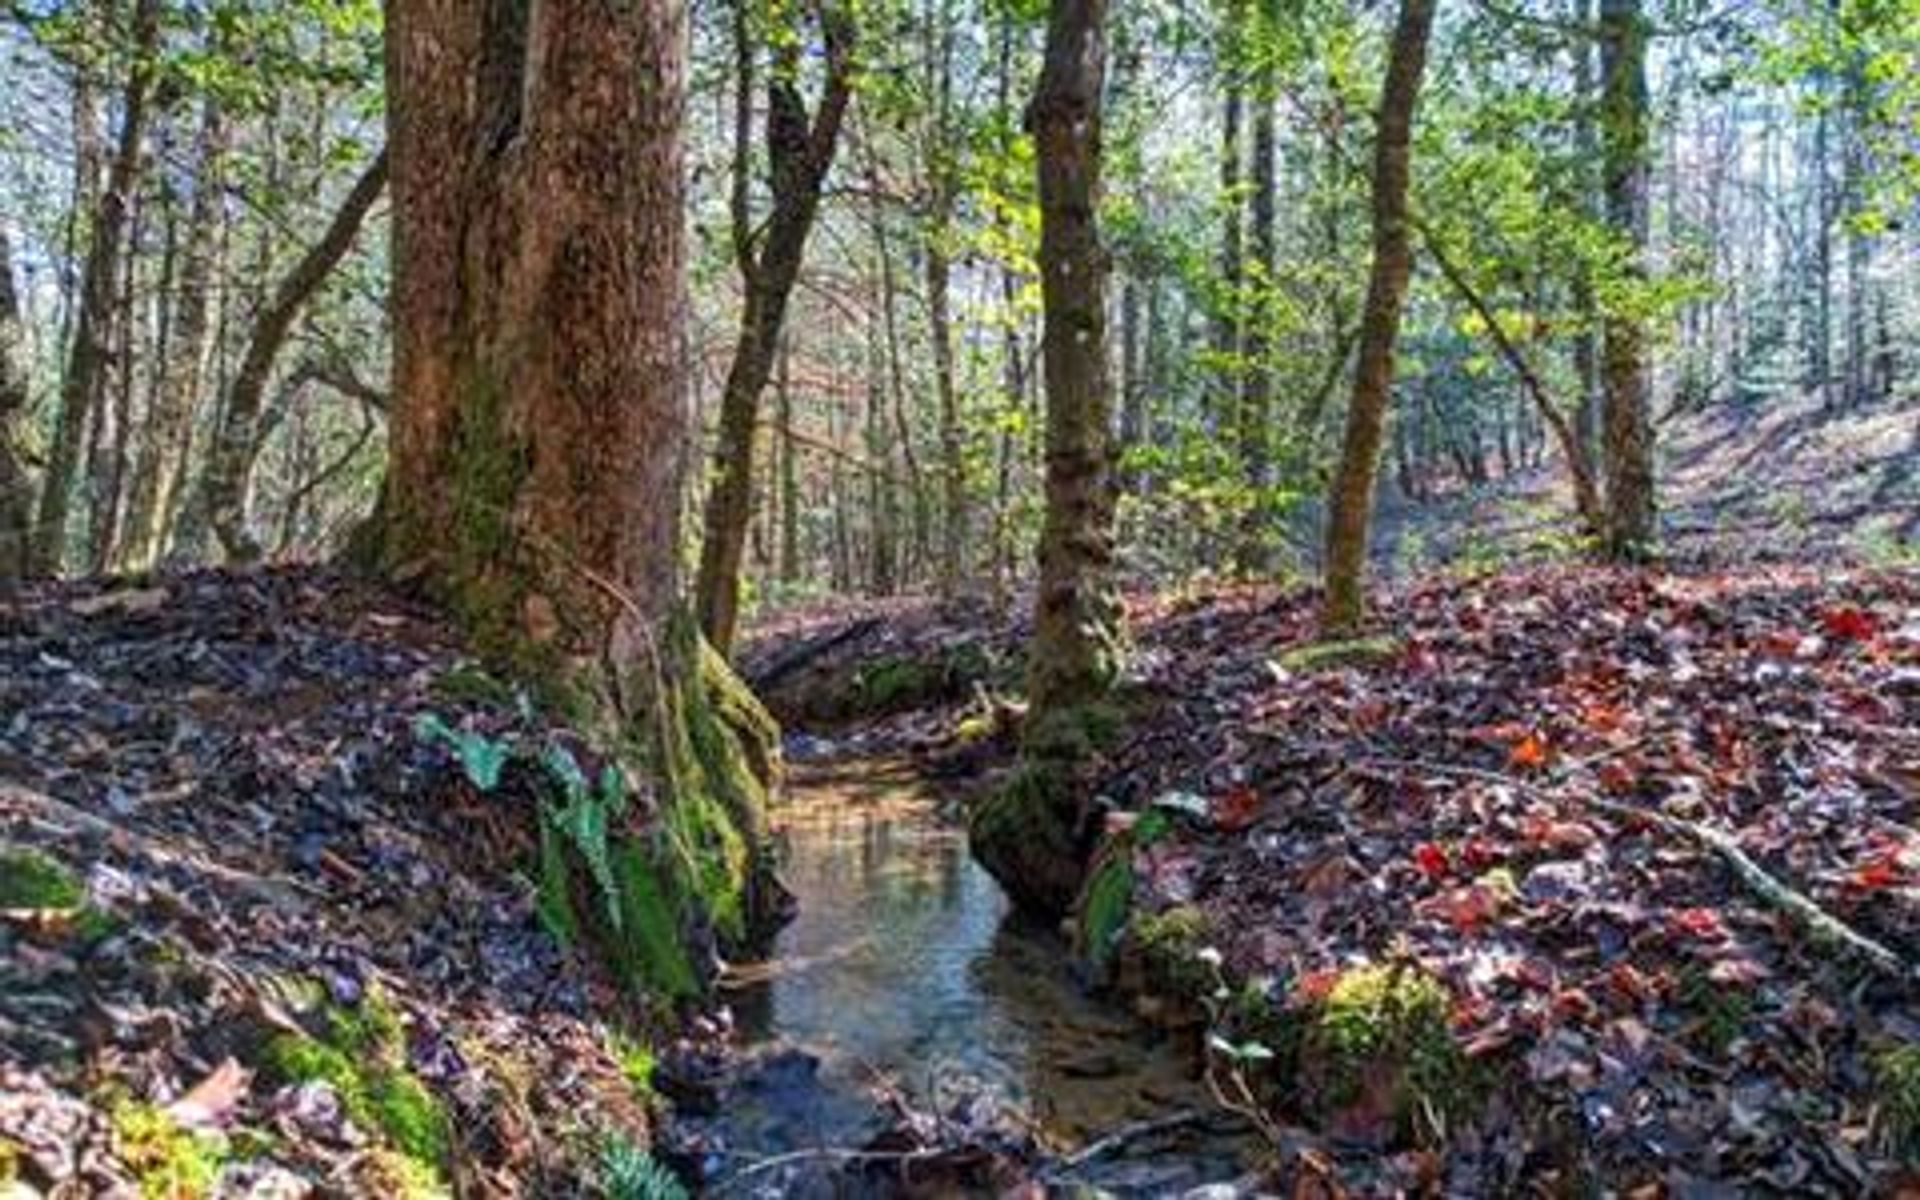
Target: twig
x=1110 y=1143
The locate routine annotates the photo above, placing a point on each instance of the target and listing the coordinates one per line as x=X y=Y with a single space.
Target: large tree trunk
x=89 y=359
x=539 y=417
x=800 y=152
x=16 y=507
x=236 y=444
x=169 y=426
x=1628 y=440
x=1351 y=497
x=1036 y=835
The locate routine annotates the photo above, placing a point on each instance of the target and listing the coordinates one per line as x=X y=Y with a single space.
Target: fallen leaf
x=208 y=1103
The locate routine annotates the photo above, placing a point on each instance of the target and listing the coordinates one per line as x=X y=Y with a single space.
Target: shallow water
x=904 y=965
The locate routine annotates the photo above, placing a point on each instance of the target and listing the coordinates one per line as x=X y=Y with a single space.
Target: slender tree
x=236 y=444
x=16 y=498
x=1627 y=440
x=800 y=152
x=1035 y=836
x=1350 y=499
x=89 y=361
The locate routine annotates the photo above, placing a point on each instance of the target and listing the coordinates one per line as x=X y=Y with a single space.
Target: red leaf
x=1432 y=860
x=1880 y=873
x=1236 y=808
x=1703 y=923
x=1479 y=854
x=1849 y=624
x=1530 y=752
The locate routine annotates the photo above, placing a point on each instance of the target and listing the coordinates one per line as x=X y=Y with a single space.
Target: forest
x=1022 y=598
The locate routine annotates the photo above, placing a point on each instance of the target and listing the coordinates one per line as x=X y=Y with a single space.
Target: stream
x=904 y=967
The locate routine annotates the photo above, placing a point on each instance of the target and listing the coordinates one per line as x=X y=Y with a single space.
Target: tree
x=16 y=507
x=800 y=152
x=89 y=359
x=538 y=423
x=1035 y=836
x=236 y=443
x=1627 y=428
x=1351 y=496
x=169 y=425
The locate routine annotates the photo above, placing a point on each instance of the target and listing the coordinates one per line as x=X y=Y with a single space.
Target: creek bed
x=904 y=966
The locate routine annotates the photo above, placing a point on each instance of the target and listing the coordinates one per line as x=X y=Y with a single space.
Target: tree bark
x=169 y=426
x=236 y=443
x=16 y=507
x=1035 y=836
x=800 y=152
x=1256 y=400
x=88 y=360
x=1628 y=439
x=1350 y=499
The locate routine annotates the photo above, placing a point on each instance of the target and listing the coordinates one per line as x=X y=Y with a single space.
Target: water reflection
x=905 y=961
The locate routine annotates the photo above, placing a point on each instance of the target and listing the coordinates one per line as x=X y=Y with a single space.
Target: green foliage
x=1896 y=1071
x=1381 y=1037
x=168 y=1162
x=1170 y=945
x=482 y=758
x=31 y=879
x=1313 y=657
x=637 y=1062
x=362 y=1058
x=629 y=1173
x=1104 y=909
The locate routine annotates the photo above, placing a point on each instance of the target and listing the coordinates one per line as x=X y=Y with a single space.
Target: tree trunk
x=236 y=443
x=1350 y=499
x=789 y=472
x=800 y=152
x=84 y=385
x=169 y=426
x=539 y=412
x=1628 y=444
x=16 y=507
x=1227 y=325
x=1035 y=836
x=1256 y=402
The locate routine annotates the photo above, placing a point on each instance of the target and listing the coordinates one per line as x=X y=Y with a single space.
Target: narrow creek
x=904 y=966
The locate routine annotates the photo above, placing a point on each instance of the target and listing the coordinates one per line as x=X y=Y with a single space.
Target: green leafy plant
x=482 y=758
x=629 y=1173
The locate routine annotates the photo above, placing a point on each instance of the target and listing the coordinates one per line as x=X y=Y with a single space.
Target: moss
x=1379 y=1044
x=167 y=1161
x=1719 y=1013
x=1169 y=945
x=385 y=1173
x=1344 y=652
x=651 y=953
x=30 y=879
x=363 y=1060
x=470 y=684
x=1073 y=733
x=1896 y=1071
x=894 y=683
x=1024 y=834
x=636 y=1061
x=371 y=1030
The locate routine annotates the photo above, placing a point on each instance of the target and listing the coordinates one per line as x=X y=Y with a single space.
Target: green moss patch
x=362 y=1058
x=30 y=879
x=1896 y=1071
x=168 y=1161
x=1340 y=653
x=1168 y=945
x=1377 y=1055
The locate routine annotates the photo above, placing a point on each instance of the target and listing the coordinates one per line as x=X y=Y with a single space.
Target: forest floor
x=1657 y=833
x=257 y=938
x=260 y=937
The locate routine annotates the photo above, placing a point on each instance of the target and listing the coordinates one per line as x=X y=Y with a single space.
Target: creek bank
x=303 y=933
x=1443 y=833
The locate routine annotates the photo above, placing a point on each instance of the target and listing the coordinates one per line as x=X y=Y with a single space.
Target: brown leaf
x=208 y=1104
